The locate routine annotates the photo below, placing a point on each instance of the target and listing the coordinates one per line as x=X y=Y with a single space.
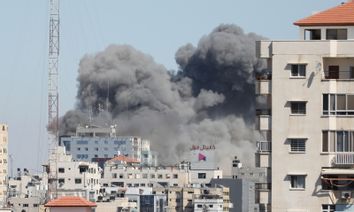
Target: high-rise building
x=307 y=120
x=4 y=135
x=101 y=143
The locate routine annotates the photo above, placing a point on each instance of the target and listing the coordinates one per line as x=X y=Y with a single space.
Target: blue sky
x=156 y=27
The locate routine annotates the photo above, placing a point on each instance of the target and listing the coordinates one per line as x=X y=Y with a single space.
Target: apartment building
x=4 y=135
x=68 y=177
x=307 y=122
x=92 y=143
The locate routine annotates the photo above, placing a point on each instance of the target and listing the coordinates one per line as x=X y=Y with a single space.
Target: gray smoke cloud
x=210 y=100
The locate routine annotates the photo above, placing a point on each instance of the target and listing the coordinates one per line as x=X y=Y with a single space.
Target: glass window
x=325 y=104
x=298 y=107
x=297 y=181
x=313 y=34
x=297 y=145
x=201 y=175
x=341 y=102
x=298 y=70
x=325 y=141
x=350 y=102
x=336 y=34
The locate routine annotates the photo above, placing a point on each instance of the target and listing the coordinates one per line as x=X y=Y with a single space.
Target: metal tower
x=53 y=94
x=53 y=97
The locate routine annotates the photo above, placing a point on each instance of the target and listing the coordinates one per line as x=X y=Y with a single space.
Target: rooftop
x=70 y=201
x=125 y=159
x=342 y=15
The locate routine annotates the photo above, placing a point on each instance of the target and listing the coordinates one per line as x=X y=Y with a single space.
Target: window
x=313 y=34
x=152 y=176
x=298 y=108
x=61 y=180
x=298 y=70
x=61 y=170
x=81 y=142
x=78 y=181
x=297 y=145
x=297 y=181
x=338 y=104
x=201 y=175
x=338 y=141
x=114 y=175
x=328 y=208
x=159 y=176
x=351 y=72
x=336 y=34
x=333 y=72
x=175 y=176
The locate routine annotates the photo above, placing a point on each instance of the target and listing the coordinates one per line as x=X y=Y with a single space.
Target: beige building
x=4 y=135
x=196 y=198
x=307 y=121
x=73 y=178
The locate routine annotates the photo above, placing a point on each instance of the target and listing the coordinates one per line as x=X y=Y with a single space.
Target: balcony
x=344 y=159
x=264 y=119
x=338 y=68
x=263 y=186
x=264 y=146
x=263 y=87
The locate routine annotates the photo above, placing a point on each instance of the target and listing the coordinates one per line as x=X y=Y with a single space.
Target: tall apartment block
x=307 y=120
x=3 y=162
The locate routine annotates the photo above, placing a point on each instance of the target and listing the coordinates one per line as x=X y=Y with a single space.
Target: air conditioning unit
x=346 y=194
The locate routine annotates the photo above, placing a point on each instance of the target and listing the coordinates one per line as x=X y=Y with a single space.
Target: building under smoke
x=210 y=100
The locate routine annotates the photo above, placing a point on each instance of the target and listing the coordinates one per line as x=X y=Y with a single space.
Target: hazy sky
x=156 y=27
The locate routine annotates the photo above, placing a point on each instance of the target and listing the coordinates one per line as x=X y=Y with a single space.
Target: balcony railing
x=344 y=159
x=339 y=75
x=263 y=76
x=264 y=146
x=263 y=186
x=265 y=112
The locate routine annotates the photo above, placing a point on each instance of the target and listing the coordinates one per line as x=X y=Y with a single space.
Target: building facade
x=307 y=121
x=93 y=143
x=4 y=136
x=68 y=177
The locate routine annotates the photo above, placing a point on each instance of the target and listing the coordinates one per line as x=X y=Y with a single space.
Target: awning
x=337 y=172
x=298 y=62
x=297 y=173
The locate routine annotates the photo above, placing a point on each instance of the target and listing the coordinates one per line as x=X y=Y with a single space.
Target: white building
x=27 y=192
x=73 y=178
x=3 y=161
x=308 y=127
x=97 y=143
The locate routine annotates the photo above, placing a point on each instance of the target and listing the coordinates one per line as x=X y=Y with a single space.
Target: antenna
x=53 y=95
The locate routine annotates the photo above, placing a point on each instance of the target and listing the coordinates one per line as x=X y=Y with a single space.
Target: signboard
x=203 y=157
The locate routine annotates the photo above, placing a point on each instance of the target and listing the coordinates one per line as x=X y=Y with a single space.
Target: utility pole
x=53 y=95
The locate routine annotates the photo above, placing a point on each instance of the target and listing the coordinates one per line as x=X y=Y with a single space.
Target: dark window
x=351 y=72
x=325 y=141
x=201 y=175
x=298 y=107
x=297 y=181
x=61 y=180
x=61 y=170
x=313 y=34
x=297 y=145
x=298 y=70
x=336 y=34
x=78 y=181
x=333 y=72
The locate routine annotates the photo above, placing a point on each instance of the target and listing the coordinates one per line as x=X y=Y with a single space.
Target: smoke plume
x=210 y=100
